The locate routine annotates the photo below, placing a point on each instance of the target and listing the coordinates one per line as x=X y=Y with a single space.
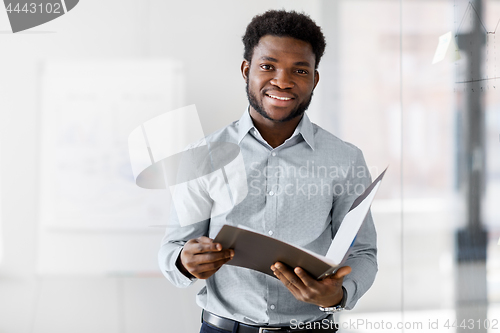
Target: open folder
x=258 y=252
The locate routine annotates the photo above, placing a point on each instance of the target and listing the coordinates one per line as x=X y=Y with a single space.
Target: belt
x=228 y=324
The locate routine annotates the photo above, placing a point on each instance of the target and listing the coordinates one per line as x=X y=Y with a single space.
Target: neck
x=275 y=133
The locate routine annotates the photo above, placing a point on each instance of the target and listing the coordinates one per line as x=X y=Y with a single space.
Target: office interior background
x=79 y=240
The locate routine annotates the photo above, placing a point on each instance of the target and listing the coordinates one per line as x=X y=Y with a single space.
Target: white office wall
x=206 y=37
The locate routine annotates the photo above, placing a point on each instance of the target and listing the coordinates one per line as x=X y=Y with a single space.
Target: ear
x=245 y=68
x=316 y=78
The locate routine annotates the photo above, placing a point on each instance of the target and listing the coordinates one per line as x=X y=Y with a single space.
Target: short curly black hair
x=284 y=24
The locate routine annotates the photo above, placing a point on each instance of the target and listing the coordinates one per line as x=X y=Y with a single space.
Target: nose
x=282 y=80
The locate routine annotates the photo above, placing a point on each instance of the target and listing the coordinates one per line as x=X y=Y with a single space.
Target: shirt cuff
x=184 y=279
x=174 y=275
x=350 y=287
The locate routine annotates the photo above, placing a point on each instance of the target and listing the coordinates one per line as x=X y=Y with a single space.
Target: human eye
x=302 y=71
x=266 y=67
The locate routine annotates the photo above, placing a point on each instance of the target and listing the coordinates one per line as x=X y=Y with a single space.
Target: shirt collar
x=305 y=128
x=245 y=124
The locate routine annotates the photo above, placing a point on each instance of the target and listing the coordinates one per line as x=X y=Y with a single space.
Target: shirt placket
x=270 y=223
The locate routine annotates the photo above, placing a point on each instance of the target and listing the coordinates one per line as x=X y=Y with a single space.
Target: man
x=301 y=180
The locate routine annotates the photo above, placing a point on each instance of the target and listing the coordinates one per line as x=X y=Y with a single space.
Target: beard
x=259 y=107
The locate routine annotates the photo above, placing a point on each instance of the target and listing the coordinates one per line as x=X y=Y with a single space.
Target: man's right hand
x=201 y=257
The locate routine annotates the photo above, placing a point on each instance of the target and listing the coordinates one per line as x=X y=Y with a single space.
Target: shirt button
x=272 y=307
x=271 y=193
x=270 y=232
x=273 y=153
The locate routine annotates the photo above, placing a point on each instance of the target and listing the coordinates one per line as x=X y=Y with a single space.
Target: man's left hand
x=326 y=293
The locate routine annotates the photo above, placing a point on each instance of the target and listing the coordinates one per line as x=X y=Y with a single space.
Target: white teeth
x=280 y=98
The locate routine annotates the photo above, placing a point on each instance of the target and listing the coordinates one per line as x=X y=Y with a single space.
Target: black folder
x=257 y=251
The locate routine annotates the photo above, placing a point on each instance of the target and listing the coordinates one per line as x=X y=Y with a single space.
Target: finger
x=211 y=266
x=202 y=245
x=342 y=271
x=203 y=258
x=210 y=241
x=306 y=279
x=285 y=281
x=204 y=239
x=289 y=277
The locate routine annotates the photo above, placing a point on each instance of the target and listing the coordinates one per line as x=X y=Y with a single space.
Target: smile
x=279 y=98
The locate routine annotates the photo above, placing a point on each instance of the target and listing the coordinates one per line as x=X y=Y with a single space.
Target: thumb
x=204 y=239
x=342 y=271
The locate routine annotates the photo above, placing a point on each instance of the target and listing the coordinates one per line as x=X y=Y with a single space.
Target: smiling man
x=280 y=85
x=302 y=181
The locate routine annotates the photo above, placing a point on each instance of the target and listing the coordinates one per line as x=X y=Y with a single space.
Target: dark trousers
x=206 y=328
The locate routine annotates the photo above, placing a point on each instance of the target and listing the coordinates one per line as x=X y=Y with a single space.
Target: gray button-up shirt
x=299 y=193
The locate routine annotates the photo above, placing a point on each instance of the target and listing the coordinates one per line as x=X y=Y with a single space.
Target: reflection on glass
x=444 y=154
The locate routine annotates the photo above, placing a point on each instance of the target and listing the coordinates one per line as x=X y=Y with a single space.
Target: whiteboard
x=92 y=216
